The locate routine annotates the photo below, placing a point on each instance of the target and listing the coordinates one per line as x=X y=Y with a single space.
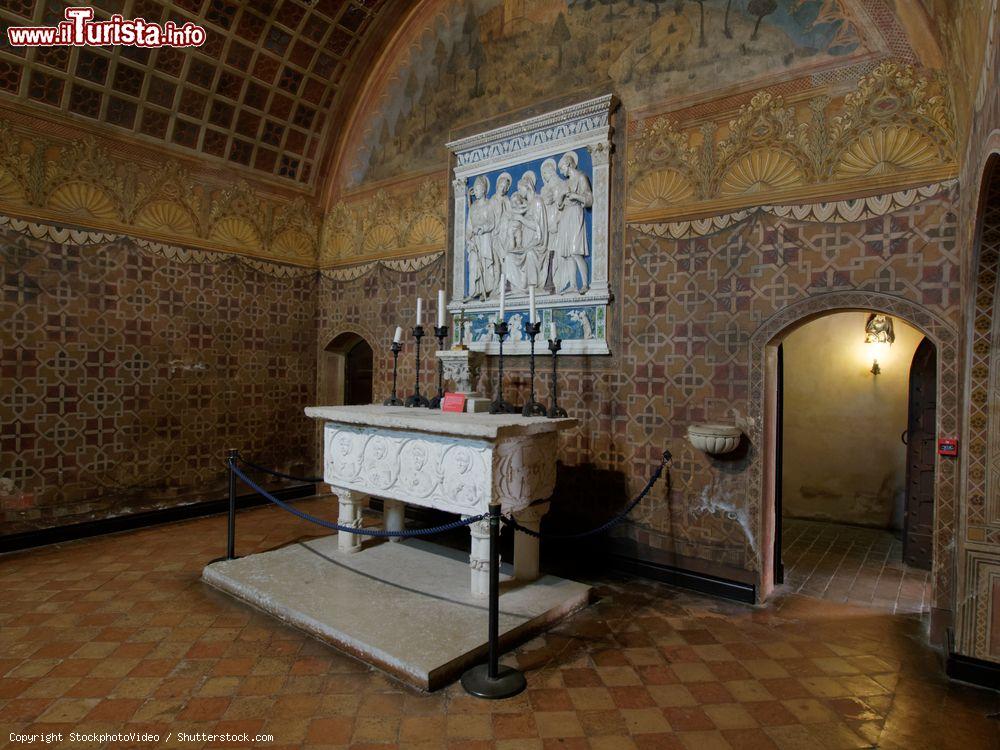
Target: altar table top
x=436 y=422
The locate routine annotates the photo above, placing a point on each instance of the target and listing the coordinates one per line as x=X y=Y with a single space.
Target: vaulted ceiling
x=261 y=94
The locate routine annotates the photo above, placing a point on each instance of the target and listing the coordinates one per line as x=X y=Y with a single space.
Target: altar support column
x=479 y=557
x=393 y=512
x=352 y=505
x=526 y=547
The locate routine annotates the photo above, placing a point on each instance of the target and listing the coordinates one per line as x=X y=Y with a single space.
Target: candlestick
x=532 y=408
x=416 y=399
x=420 y=311
x=396 y=347
x=441 y=308
x=554 y=410
x=499 y=406
x=441 y=332
x=532 y=313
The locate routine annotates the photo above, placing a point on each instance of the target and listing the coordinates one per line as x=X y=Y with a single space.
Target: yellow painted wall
x=843 y=459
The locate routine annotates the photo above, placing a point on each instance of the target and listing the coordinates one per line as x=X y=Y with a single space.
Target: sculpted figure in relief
x=503 y=241
x=570 y=250
x=553 y=189
x=479 y=241
x=531 y=233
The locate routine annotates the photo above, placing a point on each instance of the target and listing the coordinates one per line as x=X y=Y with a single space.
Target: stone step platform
x=403 y=607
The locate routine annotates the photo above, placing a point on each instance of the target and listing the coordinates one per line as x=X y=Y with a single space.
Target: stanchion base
x=534 y=409
x=499 y=406
x=508 y=683
x=392 y=402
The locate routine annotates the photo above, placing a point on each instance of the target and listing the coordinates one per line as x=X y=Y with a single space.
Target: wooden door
x=358 y=371
x=921 y=438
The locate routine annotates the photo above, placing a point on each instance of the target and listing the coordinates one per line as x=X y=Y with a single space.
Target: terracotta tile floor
x=852 y=564
x=118 y=634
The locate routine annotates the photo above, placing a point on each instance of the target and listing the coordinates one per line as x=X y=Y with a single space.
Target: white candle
x=440 y=308
x=399 y=335
x=531 y=304
x=552 y=330
x=503 y=295
x=420 y=310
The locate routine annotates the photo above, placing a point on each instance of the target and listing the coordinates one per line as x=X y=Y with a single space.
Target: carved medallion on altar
x=532 y=211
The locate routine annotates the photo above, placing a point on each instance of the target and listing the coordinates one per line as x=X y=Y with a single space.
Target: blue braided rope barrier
x=657 y=473
x=281 y=475
x=351 y=529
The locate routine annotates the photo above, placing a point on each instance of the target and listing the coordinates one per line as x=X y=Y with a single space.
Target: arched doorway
x=346 y=374
x=763 y=434
x=856 y=397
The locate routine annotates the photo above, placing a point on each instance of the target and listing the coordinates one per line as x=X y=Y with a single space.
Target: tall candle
x=440 y=308
x=531 y=304
x=420 y=310
x=552 y=330
x=399 y=335
x=503 y=295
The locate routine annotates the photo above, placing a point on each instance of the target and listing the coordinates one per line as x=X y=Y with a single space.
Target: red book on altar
x=453 y=402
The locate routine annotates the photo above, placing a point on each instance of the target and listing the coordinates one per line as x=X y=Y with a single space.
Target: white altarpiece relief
x=532 y=209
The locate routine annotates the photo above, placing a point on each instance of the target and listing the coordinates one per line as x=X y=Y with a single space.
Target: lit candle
x=399 y=335
x=503 y=295
x=440 y=308
x=531 y=304
x=420 y=310
x=552 y=330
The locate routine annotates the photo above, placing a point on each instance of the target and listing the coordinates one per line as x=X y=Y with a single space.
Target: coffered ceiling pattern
x=258 y=94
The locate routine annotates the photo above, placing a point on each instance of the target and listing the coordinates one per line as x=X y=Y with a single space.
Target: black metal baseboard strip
x=687 y=579
x=56 y=534
x=974 y=671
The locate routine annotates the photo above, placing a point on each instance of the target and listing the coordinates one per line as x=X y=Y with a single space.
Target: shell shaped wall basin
x=715 y=439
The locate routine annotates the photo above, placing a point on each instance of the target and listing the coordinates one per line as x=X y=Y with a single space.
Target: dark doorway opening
x=358 y=372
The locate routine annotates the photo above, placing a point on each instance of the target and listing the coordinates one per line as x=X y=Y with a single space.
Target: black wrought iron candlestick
x=499 y=406
x=416 y=399
x=554 y=409
x=394 y=400
x=531 y=407
x=441 y=333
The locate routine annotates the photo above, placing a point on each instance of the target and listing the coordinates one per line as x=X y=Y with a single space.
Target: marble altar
x=455 y=462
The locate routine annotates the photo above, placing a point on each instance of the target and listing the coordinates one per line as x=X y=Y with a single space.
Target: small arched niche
x=346 y=371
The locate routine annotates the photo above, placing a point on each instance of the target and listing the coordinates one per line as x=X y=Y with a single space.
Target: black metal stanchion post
x=441 y=333
x=554 y=410
x=417 y=399
x=499 y=406
x=231 y=458
x=493 y=680
x=394 y=400
x=532 y=408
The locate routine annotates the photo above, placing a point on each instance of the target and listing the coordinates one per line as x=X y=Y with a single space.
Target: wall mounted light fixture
x=879 y=331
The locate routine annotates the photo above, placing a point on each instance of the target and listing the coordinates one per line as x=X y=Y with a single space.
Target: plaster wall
x=843 y=457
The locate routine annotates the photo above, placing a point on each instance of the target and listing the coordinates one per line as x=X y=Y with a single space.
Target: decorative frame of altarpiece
x=580 y=309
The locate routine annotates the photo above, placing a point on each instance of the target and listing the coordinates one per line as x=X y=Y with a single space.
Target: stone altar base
x=403 y=607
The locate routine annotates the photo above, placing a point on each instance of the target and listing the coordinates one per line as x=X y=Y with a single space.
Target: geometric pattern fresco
x=256 y=94
x=127 y=374
x=687 y=313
